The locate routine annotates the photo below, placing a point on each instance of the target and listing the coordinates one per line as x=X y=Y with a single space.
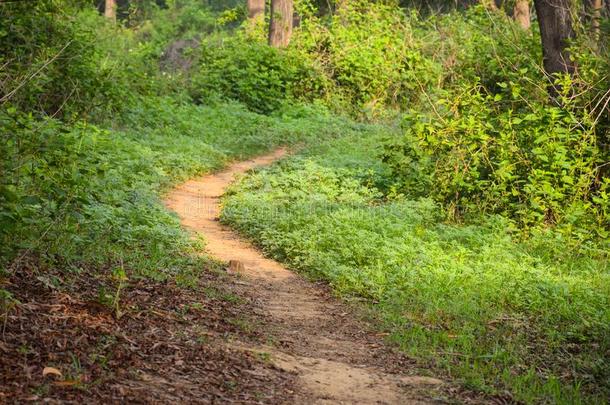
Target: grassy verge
x=81 y=194
x=498 y=314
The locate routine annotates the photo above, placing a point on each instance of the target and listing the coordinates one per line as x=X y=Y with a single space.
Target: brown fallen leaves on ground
x=65 y=343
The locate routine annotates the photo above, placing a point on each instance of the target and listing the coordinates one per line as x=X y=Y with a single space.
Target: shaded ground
x=335 y=357
x=170 y=343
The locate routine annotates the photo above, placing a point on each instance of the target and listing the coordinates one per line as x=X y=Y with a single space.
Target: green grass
x=75 y=195
x=492 y=312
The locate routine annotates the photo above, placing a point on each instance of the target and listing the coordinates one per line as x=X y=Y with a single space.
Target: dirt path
x=334 y=356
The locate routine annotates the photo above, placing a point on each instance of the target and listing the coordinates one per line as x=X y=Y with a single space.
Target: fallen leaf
x=51 y=370
x=67 y=383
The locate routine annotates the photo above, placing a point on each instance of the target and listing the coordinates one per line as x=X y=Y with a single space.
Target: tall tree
x=521 y=13
x=280 y=27
x=556 y=31
x=110 y=9
x=256 y=9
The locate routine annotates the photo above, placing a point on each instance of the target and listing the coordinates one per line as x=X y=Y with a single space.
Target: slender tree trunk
x=110 y=9
x=555 y=21
x=256 y=9
x=280 y=28
x=596 y=15
x=521 y=14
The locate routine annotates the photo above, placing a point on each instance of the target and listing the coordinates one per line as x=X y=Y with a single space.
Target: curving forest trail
x=333 y=355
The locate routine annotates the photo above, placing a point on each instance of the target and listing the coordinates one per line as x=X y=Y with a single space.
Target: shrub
x=369 y=52
x=483 y=47
x=539 y=166
x=255 y=74
x=51 y=63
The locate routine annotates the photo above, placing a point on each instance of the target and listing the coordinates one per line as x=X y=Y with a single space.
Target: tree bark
x=256 y=8
x=110 y=9
x=521 y=14
x=555 y=21
x=280 y=28
x=596 y=15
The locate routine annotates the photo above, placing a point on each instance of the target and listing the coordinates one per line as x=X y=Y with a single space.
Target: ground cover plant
x=473 y=299
x=98 y=189
x=465 y=200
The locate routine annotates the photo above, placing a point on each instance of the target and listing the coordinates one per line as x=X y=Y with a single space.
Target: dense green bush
x=365 y=56
x=253 y=73
x=539 y=166
x=490 y=140
x=50 y=62
x=485 y=47
x=187 y=19
x=369 y=52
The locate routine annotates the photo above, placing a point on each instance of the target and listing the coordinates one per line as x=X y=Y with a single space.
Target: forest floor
x=333 y=355
x=250 y=333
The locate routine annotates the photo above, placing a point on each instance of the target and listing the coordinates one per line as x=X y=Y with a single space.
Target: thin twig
x=47 y=63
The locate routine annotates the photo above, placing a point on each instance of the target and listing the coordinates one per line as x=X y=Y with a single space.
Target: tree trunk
x=280 y=28
x=596 y=15
x=521 y=14
x=555 y=21
x=256 y=8
x=110 y=9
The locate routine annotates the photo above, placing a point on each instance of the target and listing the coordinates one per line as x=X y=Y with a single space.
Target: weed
x=264 y=356
x=7 y=303
x=243 y=324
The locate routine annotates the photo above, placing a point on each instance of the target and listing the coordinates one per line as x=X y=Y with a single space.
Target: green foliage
x=84 y=194
x=180 y=20
x=491 y=141
x=498 y=313
x=81 y=194
x=346 y=63
x=369 y=53
x=7 y=303
x=479 y=46
x=537 y=166
x=50 y=63
x=252 y=73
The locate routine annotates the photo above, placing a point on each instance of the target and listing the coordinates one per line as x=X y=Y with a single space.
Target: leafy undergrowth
x=499 y=314
x=82 y=193
x=98 y=279
x=107 y=338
